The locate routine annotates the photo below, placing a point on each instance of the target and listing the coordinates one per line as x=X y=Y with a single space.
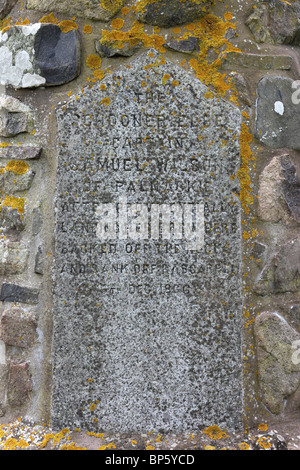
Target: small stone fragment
x=168 y=13
x=40 y=260
x=15 y=117
x=19 y=386
x=183 y=45
x=108 y=49
x=18 y=327
x=16 y=293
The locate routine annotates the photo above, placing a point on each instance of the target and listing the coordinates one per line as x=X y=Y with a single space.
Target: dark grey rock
x=57 y=54
x=167 y=13
x=277 y=113
x=291 y=187
x=37 y=220
x=16 y=293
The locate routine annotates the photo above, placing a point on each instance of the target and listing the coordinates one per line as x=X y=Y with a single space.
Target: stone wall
x=246 y=53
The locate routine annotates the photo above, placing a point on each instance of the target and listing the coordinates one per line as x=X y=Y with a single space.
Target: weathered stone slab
x=20 y=153
x=38 y=54
x=102 y=10
x=147 y=308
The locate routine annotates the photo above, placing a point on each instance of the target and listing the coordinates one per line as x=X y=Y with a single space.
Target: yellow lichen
x=87 y=29
x=111 y=5
x=18 y=167
x=93 y=61
x=17 y=203
x=67 y=25
x=214 y=432
x=243 y=173
x=49 y=19
x=117 y=23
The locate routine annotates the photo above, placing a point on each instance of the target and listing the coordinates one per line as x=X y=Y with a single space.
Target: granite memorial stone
x=147 y=291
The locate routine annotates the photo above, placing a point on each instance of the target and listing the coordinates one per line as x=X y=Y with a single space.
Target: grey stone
x=278 y=364
x=20 y=153
x=282 y=272
x=139 y=310
x=16 y=293
x=277 y=113
x=241 y=86
x=102 y=10
x=57 y=54
x=167 y=13
x=19 y=386
x=279 y=191
x=40 y=260
x=275 y=22
x=38 y=55
x=183 y=45
x=15 y=117
x=18 y=328
x=37 y=220
x=12 y=213
x=16 y=176
x=5 y=7
x=13 y=257
x=108 y=49
x=257 y=61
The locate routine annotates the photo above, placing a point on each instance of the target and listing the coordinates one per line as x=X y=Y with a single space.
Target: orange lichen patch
x=17 y=203
x=98 y=74
x=111 y=445
x=211 y=32
x=263 y=427
x=243 y=173
x=117 y=23
x=67 y=25
x=5 y=24
x=244 y=446
x=214 y=432
x=87 y=29
x=18 y=167
x=93 y=61
x=49 y=19
x=105 y=101
x=264 y=443
x=22 y=22
x=134 y=36
x=125 y=11
x=4 y=144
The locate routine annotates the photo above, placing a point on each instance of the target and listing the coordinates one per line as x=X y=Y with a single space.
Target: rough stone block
x=279 y=191
x=18 y=328
x=13 y=257
x=167 y=13
x=20 y=153
x=275 y=22
x=19 y=386
x=278 y=360
x=102 y=10
x=38 y=55
x=15 y=117
x=16 y=293
x=12 y=213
